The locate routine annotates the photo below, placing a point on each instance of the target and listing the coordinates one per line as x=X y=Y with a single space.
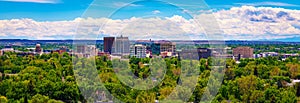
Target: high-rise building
x=121 y=46
x=108 y=44
x=243 y=52
x=138 y=51
x=167 y=47
x=155 y=48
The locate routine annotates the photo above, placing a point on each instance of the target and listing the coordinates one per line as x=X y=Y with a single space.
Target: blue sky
x=62 y=10
x=71 y=9
x=238 y=19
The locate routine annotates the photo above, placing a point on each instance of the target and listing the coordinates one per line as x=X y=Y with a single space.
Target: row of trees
x=55 y=78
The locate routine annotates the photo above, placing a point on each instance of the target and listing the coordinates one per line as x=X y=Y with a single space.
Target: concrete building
x=31 y=49
x=38 y=49
x=164 y=48
x=80 y=49
x=195 y=54
x=167 y=47
x=7 y=49
x=148 y=53
x=108 y=44
x=290 y=55
x=267 y=54
x=166 y=54
x=86 y=50
x=243 y=52
x=61 y=50
x=221 y=52
x=138 y=51
x=121 y=46
x=92 y=49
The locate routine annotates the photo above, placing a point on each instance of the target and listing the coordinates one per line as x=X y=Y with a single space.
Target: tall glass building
x=121 y=46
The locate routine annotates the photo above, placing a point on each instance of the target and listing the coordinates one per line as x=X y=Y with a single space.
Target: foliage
x=50 y=78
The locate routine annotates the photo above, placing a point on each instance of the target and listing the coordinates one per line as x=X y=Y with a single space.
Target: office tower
x=243 y=52
x=166 y=47
x=155 y=48
x=121 y=46
x=108 y=44
x=138 y=51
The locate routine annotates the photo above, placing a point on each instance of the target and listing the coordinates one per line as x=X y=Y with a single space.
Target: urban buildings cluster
x=37 y=50
x=116 y=47
x=122 y=47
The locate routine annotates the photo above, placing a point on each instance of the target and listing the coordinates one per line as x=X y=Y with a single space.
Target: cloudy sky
x=170 y=19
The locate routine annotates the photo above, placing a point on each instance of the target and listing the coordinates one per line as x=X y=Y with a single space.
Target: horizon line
x=151 y=39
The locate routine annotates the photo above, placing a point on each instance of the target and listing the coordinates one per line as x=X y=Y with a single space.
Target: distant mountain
x=294 y=39
x=227 y=42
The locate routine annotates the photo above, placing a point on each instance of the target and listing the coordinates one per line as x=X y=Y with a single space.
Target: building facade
x=108 y=44
x=61 y=50
x=243 y=52
x=138 y=51
x=195 y=54
x=86 y=50
x=164 y=48
x=167 y=47
x=121 y=46
x=80 y=49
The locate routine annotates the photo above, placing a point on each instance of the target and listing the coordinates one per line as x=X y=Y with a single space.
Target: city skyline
x=149 y=51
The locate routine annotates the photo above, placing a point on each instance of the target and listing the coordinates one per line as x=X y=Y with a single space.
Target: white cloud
x=156 y=12
x=259 y=23
x=268 y=4
x=33 y=29
x=185 y=11
x=35 y=1
x=122 y=4
x=246 y=22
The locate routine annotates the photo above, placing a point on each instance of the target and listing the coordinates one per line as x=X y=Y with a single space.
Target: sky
x=162 y=19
